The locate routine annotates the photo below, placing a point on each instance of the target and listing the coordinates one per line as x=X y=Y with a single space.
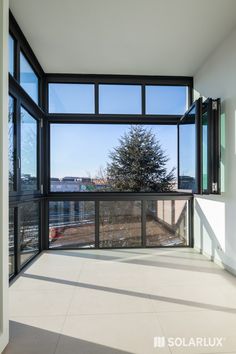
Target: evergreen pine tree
x=139 y=163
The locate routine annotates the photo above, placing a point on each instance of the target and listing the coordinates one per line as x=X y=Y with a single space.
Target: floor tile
x=204 y=324
x=117 y=301
x=129 y=333
x=90 y=301
x=32 y=338
x=39 y=303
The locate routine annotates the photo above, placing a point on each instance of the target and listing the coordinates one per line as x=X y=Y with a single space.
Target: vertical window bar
x=17 y=233
x=143 y=221
x=96 y=98
x=143 y=100
x=96 y=223
x=18 y=147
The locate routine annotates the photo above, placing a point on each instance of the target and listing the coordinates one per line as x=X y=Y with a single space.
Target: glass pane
x=120 y=99
x=205 y=152
x=11 y=46
x=28 y=151
x=120 y=224
x=29 y=231
x=111 y=157
x=187 y=152
x=72 y=224
x=11 y=242
x=11 y=144
x=166 y=99
x=167 y=223
x=28 y=79
x=71 y=98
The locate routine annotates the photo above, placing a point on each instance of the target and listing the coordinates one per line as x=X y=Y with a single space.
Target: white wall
x=215 y=216
x=4 y=319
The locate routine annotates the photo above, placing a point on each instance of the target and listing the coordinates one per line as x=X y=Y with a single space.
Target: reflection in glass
x=29 y=231
x=11 y=143
x=166 y=99
x=167 y=223
x=28 y=151
x=81 y=154
x=11 y=242
x=205 y=152
x=120 y=223
x=71 y=98
x=72 y=224
x=187 y=152
x=120 y=99
x=11 y=46
x=28 y=79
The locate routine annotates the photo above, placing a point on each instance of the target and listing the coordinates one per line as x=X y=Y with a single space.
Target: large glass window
x=11 y=147
x=11 y=242
x=167 y=223
x=112 y=157
x=171 y=100
x=120 y=224
x=187 y=152
x=120 y=99
x=28 y=79
x=29 y=231
x=28 y=151
x=11 y=51
x=71 y=98
x=72 y=224
x=205 y=147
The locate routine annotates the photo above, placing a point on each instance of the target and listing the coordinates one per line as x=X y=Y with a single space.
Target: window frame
x=117 y=80
x=189 y=98
x=14 y=55
x=72 y=83
x=142 y=87
x=21 y=98
x=95 y=193
x=38 y=155
x=40 y=112
x=212 y=107
x=145 y=119
x=22 y=52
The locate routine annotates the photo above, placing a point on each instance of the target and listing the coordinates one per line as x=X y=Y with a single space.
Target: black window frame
x=117 y=80
x=22 y=52
x=22 y=99
x=212 y=108
x=97 y=118
x=38 y=148
x=14 y=54
x=40 y=112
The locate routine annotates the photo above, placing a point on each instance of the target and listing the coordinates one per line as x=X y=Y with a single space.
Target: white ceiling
x=146 y=37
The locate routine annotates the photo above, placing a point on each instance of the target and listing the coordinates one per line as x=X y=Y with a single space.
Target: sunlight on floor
x=117 y=301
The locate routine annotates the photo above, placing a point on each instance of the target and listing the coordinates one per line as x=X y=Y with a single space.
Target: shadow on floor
x=133 y=293
x=192 y=256
x=143 y=262
x=26 y=339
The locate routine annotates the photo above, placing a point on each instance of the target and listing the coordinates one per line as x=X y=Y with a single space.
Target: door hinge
x=41 y=123
x=41 y=188
x=214 y=105
x=214 y=187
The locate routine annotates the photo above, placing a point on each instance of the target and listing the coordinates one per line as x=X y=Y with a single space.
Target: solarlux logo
x=161 y=342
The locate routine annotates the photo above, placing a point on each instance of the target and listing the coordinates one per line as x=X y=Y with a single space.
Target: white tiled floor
x=117 y=301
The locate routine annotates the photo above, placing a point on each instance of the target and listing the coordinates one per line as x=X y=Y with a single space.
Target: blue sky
x=82 y=149
x=117 y=99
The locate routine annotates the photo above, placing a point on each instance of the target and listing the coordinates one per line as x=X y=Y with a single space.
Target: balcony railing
x=120 y=221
